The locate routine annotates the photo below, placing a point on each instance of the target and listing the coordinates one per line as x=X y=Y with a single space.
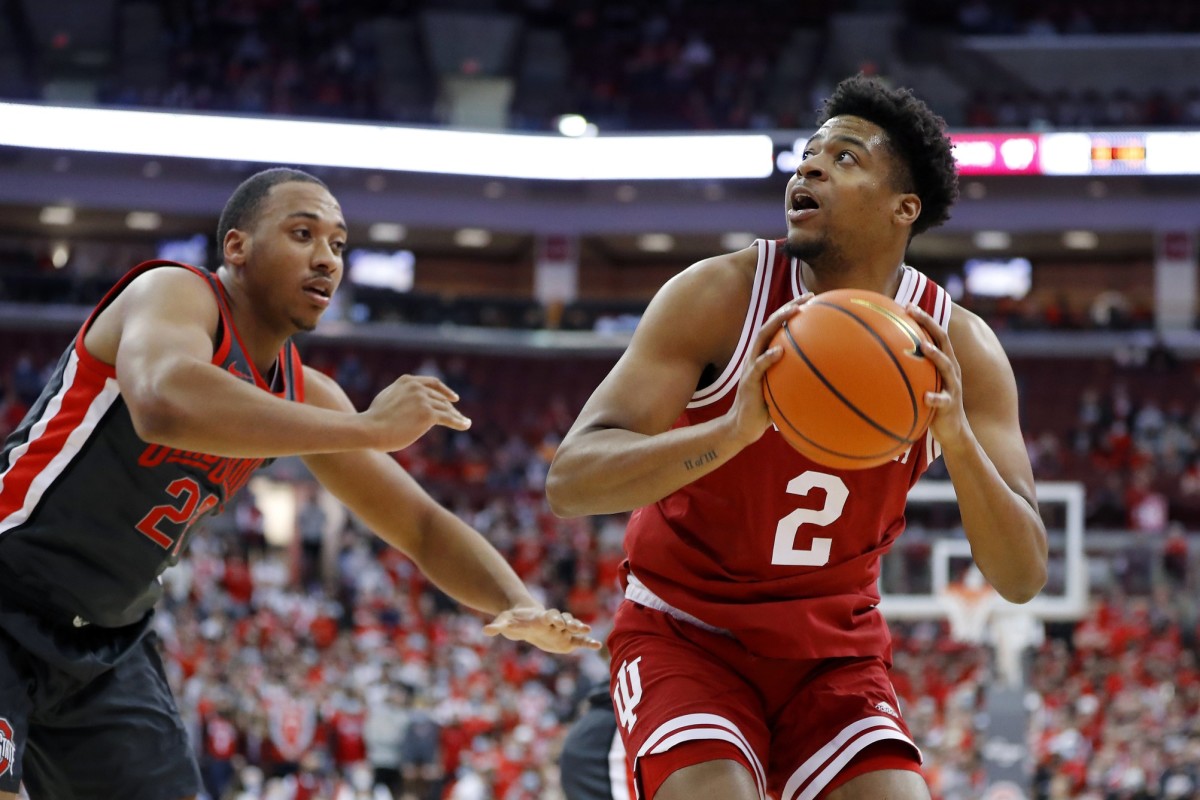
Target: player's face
x=297 y=245
x=843 y=197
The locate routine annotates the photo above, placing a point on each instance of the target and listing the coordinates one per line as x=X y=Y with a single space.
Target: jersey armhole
x=729 y=376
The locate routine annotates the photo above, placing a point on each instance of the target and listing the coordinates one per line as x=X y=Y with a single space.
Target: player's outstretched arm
x=978 y=428
x=622 y=453
x=452 y=554
x=159 y=333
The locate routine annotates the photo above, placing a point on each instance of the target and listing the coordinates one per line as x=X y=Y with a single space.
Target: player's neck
x=261 y=342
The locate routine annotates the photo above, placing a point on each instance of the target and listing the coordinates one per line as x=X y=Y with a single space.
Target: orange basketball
x=849 y=391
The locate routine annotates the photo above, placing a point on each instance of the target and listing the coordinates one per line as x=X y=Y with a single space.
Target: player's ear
x=908 y=208
x=235 y=247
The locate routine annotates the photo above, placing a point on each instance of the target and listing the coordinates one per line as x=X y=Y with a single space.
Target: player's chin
x=306 y=323
x=802 y=244
x=798 y=235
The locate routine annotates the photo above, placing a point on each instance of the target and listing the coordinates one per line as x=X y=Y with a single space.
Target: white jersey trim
x=704 y=727
x=71 y=448
x=641 y=594
x=618 y=778
x=728 y=378
x=912 y=286
x=823 y=765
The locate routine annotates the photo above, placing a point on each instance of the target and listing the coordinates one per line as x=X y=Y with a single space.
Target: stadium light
x=385 y=147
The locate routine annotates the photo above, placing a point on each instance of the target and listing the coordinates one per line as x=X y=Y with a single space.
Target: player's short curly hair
x=243 y=204
x=916 y=134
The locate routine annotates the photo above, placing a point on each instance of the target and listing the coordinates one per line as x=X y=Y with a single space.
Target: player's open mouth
x=320 y=292
x=803 y=206
x=802 y=200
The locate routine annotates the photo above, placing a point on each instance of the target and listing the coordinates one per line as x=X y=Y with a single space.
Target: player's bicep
x=990 y=402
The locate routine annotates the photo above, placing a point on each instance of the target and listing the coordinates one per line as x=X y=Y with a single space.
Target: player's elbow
x=153 y=422
x=155 y=415
x=1026 y=587
x=562 y=493
x=557 y=496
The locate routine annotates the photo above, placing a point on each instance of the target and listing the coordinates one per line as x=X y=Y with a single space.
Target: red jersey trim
x=55 y=439
x=297 y=374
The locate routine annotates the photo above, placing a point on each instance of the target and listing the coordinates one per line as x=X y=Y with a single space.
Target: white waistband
x=638 y=592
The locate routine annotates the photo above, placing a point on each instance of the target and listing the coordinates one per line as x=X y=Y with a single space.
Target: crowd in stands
x=1055 y=17
x=329 y=668
x=1085 y=110
x=684 y=64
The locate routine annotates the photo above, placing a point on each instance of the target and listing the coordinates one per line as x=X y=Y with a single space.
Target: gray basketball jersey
x=90 y=514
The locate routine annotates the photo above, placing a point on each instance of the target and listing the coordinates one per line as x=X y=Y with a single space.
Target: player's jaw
x=315 y=295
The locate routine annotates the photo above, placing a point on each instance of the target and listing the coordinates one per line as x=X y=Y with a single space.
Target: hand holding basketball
x=951 y=419
x=852 y=388
x=749 y=410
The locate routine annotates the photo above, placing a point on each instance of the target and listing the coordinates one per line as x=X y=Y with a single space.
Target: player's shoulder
x=974 y=341
x=174 y=281
x=716 y=279
x=969 y=328
x=708 y=301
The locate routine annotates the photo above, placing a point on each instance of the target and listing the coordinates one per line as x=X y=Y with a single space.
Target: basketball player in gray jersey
x=175 y=390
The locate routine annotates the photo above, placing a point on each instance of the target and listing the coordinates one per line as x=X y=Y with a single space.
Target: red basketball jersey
x=778 y=550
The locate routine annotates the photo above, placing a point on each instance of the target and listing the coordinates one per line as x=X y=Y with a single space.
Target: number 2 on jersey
x=189 y=492
x=785 y=552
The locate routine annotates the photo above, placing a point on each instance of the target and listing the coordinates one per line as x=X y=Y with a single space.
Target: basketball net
x=969 y=604
x=979 y=616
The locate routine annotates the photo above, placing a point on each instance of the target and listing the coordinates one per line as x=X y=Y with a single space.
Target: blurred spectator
x=384 y=729
x=1146 y=505
x=420 y=752
x=252 y=538
x=1176 y=556
x=311 y=522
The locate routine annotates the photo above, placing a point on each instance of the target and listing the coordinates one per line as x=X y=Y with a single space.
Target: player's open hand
x=546 y=628
x=406 y=410
x=950 y=420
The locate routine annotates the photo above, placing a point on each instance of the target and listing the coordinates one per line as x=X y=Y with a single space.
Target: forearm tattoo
x=699 y=460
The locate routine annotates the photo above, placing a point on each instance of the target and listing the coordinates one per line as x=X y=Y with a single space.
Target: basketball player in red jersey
x=179 y=386
x=749 y=658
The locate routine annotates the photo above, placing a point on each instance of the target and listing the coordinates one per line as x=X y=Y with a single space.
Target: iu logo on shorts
x=8 y=748
x=627 y=692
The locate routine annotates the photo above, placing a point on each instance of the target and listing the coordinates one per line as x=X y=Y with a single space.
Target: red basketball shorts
x=795 y=725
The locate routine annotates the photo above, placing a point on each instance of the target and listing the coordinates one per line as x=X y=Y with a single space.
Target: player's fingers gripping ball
x=849 y=390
